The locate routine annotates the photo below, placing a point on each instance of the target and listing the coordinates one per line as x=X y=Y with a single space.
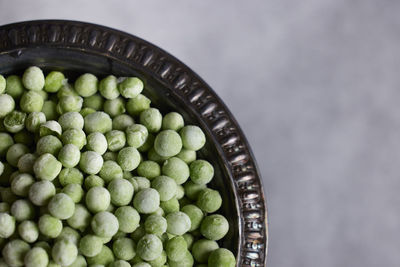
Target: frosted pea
x=104 y=258
x=50 y=226
x=124 y=248
x=121 y=192
x=110 y=171
x=128 y=219
x=86 y=111
x=48 y=144
x=149 y=169
x=202 y=249
x=64 y=252
x=14 y=86
x=7 y=104
x=21 y=183
x=176 y=248
x=71 y=120
x=180 y=192
x=154 y=156
x=104 y=224
x=209 y=200
x=155 y=224
x=69 y=234
x=201 y=171
x=193 y=137
x=108 y=87
x=74 y=191
x=178 y=223
x=22 y=210
x=187 y=261
x=192 y=190
x=54 y=81
x=95 y=102
x=115 y=140
x=177 y=169
x=93 y=181
x=91 y=162
x=114 y=107
x=80 y=219
x=41 y=192
x=195 y=214
x=170 y=206
x=168 y=143
x=146 y=201
x=152 y=119
x=69 y=103
x=148 y=144
x=122 y=121
x=49 y=109
x=137 y=104
x=110 y=156
x=86 y=85
x=221 y=257
x=6 y=141
x=97 y=199
x=214 y=227
x=165 y=186
x=149 y=247
x=31 y=101
x=80 y=261
x=128 y=158
x=33 y=78
x=98 y=122
x=14 y=121
x=136 y=135
x=25 y=163
x=90 y=245
x=172 y=121
x=36 y=257
x=66 y=90
x=74 y=136
x=70 y=176
x=130 y=87
x=61 y=206
x=7 y=225
x=69 y=155
x=14 y=252
x=160 y=261
x=97 y=142
x=142 y=182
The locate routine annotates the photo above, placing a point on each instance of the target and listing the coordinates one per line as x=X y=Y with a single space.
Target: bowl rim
x=178 y=77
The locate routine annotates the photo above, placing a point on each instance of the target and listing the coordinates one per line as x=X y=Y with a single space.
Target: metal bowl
x=77 y=47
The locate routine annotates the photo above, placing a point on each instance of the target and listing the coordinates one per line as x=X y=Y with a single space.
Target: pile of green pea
x=92 y=175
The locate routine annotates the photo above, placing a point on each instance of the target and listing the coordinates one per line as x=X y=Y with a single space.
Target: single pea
x=186 y=261
x=114 y=107
x=108 y=87
x=121 y=192
x=202 y=249
x=152 y=119
x=14 y=86
x=124 y=248
x=69 y=155
x=48 y=144
x=22 y=210
x=86 y=111
x=177 y=169
x=50 y=128
x=176 y=248
x=180 y=192
x=201 y=171
x=209 y=200
x=91 y=162
x=137 y=104
x=128 y=158
x=14 y=121
x=136 y=135
x=61 y=206
x=33 y=78
x=71 y=120
x=214 y=227
x=54 y=81
x=70 y=176
x=195 y=214
x=221 y=257
x=6 y=141
x=65 y=90
x=110 y=156
x=41 y=192
x=149 y=247
x=131 y=87
x=170 y=206
x=14 y=252
x=148 y=144
x=146 y=201
x=149 y=169
x=165 y=186
x=7 y=225
x=184 y=201
x=31 y=101
x=97 y=142
x=192 y=190
x=110 y=171
x=122 y=121
x=105 y=224
x=155 y=224
x=2 y=84
x=74 y=191
x=64 y=252
x=93 y=181
x=21 y=183
x=69 y=103
x=173 y=121
x=178 y=223
x=128 y=219
x=25 y=163
x=36 y=257
x=7 y=105
x=74 y=136
x=80 y=261
x=104 y=258
x=98 y=122
x=189 y=238
x=50 y=226
x=193 y=137
x=86 y=85
x=49 y=109
x=95 y=102
x=115 y=140
x=90 y=245
x=141 y=182
x=159 y=261
x=80 y=219
x=168 y=143
x=70 y=235
x=154 y=156
x=97 y=199
x=187 y=155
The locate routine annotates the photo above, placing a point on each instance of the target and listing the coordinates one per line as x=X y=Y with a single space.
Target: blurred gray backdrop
x=315 y=85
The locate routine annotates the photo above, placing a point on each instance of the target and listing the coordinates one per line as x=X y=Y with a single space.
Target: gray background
x=314 y=85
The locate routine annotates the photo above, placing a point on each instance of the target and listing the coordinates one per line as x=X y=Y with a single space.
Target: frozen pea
x=98 y=122
x=80 y=219
x=93 y=181
x=168 y=143
x=66 y=90
x=104 y=258
x=128 y=158
x=97 y=199
x=48 y=144
x=124 y=248
x=43 y=94
x=41 y=192
x=136 y=135
x=201 y=171
x=21 y=183
x=108 y=87
x=193 y=137
x=91 y=162
x=86 y=85
x=69 y=103
x=122 y=121
x=142 y=182
x=187 y=155
x=22 y=210
x=31 y=101
x=44 y=245
x=2 y=84
x=36 y=257
x=170 y=206
x=114 y=107
x=187 y=261
x=165 y=186
x=195 y=214
x=74 y=191
x=80 y=261
x=71 y=120
x=149 y=169
x=69 y=155
x=95 y=102
x=121 y=192
x=49 y=109
x=149 y=247
x=178 y=223
x=64 y=252
x=90 y=245
x=127 y=175
x=152 y=119
x=115 y=140
x=214 y=227
x=154 y=156
x=7 y=105
x=50 y=226
x=70 y=176
x=14 y=121
x=33 y=78
x=172 y=121
x=138 y=233
x=54 y=81
x=128 y=219
x=192 y=190
x=7 y=225
x=137 y=104
x=202 y=249
x=50 y=128
x=155 y=224
x=177 y=169
x=180 y=192
x=105 y=224
x=148 y=144
x=69 y=234
x=176 y=248
x=159 y=261
x=189 y=238
x=14 y=252
x=25 y=163
x=110 y=156
x=209 y=200
x=74 y=136
x=61 y=206
x=86 y=111
x=14 y=86
x=131 y=87
x=221 y=257
x=146 y=201
x=110 y=171
x=97 y=142
x=6 y=141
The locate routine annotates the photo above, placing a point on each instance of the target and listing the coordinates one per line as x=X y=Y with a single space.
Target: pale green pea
x=170 y=206
x=193 y=137
x=172 y=121
x=25 y=163
x=86 y=111
x=195 y=214
x=110 y=156
x=122 y=121
x=152 y=119
x=138 y=233
x=49 y=109
x=64 y=252
x=104 y=258
x=180 y=192
x=69 y=103
x=124 y=248
x=14 y=252
x=36 y=257
x=155 y=224
x=187 y=155
x=97 y=199
x=105 y=224
x=110 y=171
x=93 y=181
x=177 y=169
x=193 y=190
x=90 y=245
x=214 y=227
x=146 y=201
x=160 y=261
x=74 y=136
x=114 y=107
x=50 y=226
x=86 y=85
x=54 y=81
x=70 y=176
x=81 y=218
x=44 y=245
x=14 y=153
x=97 y=142
x=115 y=140
x=209 y=200
x=202 y=249
x=74 y=191
x=71 y=120
x=201 y=172
x=108 y=87
x=176 y=248
x=48 y=144
x=148 y=144
x=149 y=247
x=130 y=87
x=189 y=238
x=14 y=86
x=7 y=104
x=79 y=262
x=149 y=169
x=136 y=135
x=95 y=102
x=7 y=225
x=128 y=219
x=98 y=122
x=14 y=121
x=6 y=141
x=70 y=235
x=142 y=182
x=154 y=156
x=137 y=104
x=41 y=192
x=69 y=155
x=61 y=206
x=2 y=84
x=128 y=158
x=221 y=258
x=178 y=223
x=121 y=192
x=91 y=162
x=33 y=78
x=31 y=101
x=165 y=186
x=168 y=143
x=187 y=261
x=66 y=90
x=22 y=210
x=21 y=183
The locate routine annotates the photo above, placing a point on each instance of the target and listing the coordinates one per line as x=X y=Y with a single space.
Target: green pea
x=54 y=81
x=97 y=142
x=195 y=214
x=31 y=101
x=170 y=206
x=69 y=234
x=187 y=261
x=108 y=87
x=95 y=102
x=33 y=78
x=172 y=121
x=116 y=140
x=201 y=171
x=80 y=219
x=114 y=107
x=64 y=252
x=193 y=190
x=90 y=245
x=69 y=103
x=41 y=192
x=165 y=186
x=155 y=224
x=50 y=226
x=128 y=158
x=152 y=119
x=74 y=191
x=91 y=162
x=136 y=135
x=221 y=258
x=146 y=201
x=176 y=248
x=2 y=84
x=98 y=122
x=178 y=223
x=6 y=141
x=137 y=104
x=49 y=109
x=177 y=169
x=86 y=85
x=128 y=219
x=124 y=248
x=74 y=136
x=14 y=252
x=168 y=143
x=209 y=200
x=97 y=199
x=104 y=258
x=36 y=257
x=149 y=169
x=202 y=249
x=7 y=225
x=93 y=181
x=14 y=121
x=214 y=227
x=121 y=192
x=193 y=137
x=122 y=122
x=69 y=155
x=48 y=144
x=105 y=224
x=61 y=206
x=131 y=87
x=14 y=86
x=21 y=183
x=110 y=171
x=71 y=120
x=149 y=247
